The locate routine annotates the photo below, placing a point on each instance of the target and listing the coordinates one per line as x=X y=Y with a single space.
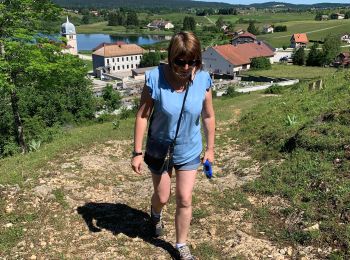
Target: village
x=118 y=63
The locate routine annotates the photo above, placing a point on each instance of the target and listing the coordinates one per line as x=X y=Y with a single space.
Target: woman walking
x=174 y=98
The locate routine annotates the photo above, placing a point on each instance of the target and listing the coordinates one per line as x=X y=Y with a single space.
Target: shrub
x=231 y=92
x=274 y=89
x=260 y=63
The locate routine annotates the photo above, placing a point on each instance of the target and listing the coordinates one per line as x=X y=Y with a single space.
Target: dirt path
x=89 y=205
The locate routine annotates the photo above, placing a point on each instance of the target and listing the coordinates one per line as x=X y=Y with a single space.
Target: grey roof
x=68 y=28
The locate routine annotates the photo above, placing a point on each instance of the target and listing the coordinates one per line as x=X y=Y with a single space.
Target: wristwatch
x=134 y=154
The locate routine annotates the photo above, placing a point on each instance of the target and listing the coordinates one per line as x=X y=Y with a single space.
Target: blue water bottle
x=207 y=169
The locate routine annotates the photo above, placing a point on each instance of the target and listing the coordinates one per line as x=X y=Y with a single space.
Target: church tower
x=68 y=31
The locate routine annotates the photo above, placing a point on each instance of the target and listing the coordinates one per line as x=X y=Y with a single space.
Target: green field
x=315 y=30
x=293 y=72
x=268 y=18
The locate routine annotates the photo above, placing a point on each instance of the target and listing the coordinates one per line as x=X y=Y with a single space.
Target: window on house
x=131 y=57
x=127 y=66
x=113 y=67
x=113 y=60
x=107 y=61
x=132 y=66
x=122 y=58
x=117 y=59
x=135 y=57
x=118 y=67
x=123 y=67
x=127 y=58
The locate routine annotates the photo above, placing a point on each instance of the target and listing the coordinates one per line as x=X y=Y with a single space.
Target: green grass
x=207 y=251
x=267 y=18
x=309 y=176
x=59 y=196
x=293 y=72
x=315 y=30
x=88 y=64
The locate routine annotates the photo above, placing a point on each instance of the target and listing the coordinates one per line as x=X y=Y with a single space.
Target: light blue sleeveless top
x=167 y=108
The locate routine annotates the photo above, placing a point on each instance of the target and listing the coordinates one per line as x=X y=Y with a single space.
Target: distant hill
x=299 y=6
x=174 y=4
x=178 y=4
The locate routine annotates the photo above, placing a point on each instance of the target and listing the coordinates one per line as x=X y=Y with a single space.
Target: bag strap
x=180 y=116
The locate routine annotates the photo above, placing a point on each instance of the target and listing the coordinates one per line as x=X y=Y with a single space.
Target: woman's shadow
x=120 y=218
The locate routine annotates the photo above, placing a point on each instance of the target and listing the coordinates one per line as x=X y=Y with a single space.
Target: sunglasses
x=182 y=63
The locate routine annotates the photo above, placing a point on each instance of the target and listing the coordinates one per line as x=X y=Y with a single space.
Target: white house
x=268 y=28
x=160 y=24
x=115 y=57
x=230 y=59
x=68 y=31
x=345 y=38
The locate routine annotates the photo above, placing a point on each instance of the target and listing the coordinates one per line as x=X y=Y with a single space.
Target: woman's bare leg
x=184 y=186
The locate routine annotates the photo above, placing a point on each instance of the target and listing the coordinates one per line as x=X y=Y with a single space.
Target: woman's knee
x=162 y=198
x=184 y=201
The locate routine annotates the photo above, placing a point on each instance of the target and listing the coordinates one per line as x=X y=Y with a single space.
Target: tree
x=253 y=29
x=260 y=63
x=314 y=57
x=220 y=22
x=280 y=28
x=20 y=20
x=113 y=19
x=318 y=16
x=132 y=19
x=85 y=19
x=189 y=24
x=347 y=15
x=299 y=57
x=330 y=48
x=150 y=59
x=39 y=84
x=112 y=98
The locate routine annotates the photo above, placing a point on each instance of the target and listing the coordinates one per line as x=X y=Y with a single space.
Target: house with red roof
x=230 y=59
x=299 y=40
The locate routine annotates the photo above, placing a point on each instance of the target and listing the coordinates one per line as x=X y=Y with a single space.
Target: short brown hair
x=185 y=44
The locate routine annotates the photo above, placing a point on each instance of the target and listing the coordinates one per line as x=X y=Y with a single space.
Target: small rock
x=43 y=191
x=290 y=251
x=312 y=228
x=67 y=165
x=282 y=251
x=31 y=245
x=33 y=257
x=8 y=225
x=21 y=244
x=43 y=243
x=9 y=208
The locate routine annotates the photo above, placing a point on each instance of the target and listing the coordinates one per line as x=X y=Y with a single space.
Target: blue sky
x=246 y=2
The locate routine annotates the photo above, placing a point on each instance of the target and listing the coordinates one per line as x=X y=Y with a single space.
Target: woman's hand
x=208 y=155
x=136 y=164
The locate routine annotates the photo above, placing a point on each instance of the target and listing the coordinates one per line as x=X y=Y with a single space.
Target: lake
x=90 y=41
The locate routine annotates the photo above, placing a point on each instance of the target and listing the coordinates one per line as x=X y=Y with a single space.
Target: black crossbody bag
x=162 y=164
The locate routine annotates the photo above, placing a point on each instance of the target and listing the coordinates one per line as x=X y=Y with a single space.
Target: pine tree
x=253 y=29
x=315 y=56
x=299 y=57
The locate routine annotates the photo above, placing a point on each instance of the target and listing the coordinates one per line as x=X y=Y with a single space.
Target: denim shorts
x=189 y=166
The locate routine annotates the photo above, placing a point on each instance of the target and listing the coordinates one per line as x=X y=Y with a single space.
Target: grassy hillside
x=316 y=30
x=306 y=138
x=300 y=139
